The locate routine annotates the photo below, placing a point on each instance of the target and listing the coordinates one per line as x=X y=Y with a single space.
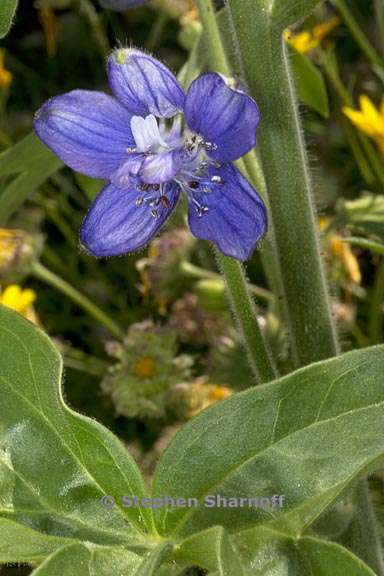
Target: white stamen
x=147 y=134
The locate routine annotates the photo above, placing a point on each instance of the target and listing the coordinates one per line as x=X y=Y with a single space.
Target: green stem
x=379 y=13
x=212 y=33
x=376 y=313
x=358 y=33
x=285 y=166
x=240 y=299
x=157 y=30
x=88 y=10
x=197 y=272
x=245 y=312
x=42 y=273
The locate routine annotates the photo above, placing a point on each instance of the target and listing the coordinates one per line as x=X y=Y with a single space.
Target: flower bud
x=18 y=251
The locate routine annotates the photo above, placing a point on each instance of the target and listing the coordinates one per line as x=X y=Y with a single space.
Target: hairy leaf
x=56 y=464
x=305 y=436
x=212 y=550
x=276 y=554
x=89 y=560
x=7 y=12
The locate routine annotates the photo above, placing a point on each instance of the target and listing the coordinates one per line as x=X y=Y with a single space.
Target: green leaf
x=61 y=463
x=310 y=83
x=7 y=12
x=277 y=554
x=366 y=244
x=89 y=560
x=30 y=163
x=153 y=560
x=285 y=13
x=305 y=436
x=212 y=550
x=19 y=543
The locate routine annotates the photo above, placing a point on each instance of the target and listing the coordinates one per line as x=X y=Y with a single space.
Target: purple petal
x=236 y=218
x=115 y=224
x=90 y=131
x=143 y=84
x=225 y=117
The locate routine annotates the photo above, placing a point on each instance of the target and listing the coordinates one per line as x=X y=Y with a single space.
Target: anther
x=193 y=184
x=216 y=179
x=210 y=146
x=131 y=150
x=201 y=211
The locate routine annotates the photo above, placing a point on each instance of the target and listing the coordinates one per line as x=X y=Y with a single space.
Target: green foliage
x=30 y=163
x=284 y=13
x=306 y=436
x=309 y=83
x=7 y=12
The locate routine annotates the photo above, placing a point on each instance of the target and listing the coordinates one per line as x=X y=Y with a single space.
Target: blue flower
x=151 y=141
x=120 y=5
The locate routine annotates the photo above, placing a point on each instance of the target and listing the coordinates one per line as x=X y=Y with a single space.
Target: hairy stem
x=246 y=316
x=42 y=273
x=285 y=167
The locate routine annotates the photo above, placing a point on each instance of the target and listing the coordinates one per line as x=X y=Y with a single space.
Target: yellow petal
x=17 y=299
x=27 y=298
x=371 y=114
x=322 y=30
x=359 y=120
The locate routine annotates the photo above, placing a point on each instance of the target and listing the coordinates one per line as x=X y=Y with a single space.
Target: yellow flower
x=349 y=260
x=5 y=75
x=368 y=119
x=18 y=299
x=309 y=39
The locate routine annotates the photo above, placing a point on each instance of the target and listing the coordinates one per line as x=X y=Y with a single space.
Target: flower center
x=187 y=150
x=146 y=134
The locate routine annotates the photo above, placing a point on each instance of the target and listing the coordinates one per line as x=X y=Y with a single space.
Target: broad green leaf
x=61 y=463
x=19 y=543
x=285 y=13
x=7 y=12
x=212 y=550
x=305 y=436
x=30 y=163
x=365 y=243
x=89 y=560
x=276 y=554
x=309 y=83
x=153 y=560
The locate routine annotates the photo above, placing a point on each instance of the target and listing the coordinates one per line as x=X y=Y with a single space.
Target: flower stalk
x=240 y=299
x=49 y=277
x=286 y=171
